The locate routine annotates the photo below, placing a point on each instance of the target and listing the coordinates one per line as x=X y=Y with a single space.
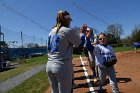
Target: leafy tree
x=136 y=34
x=36 y=46
x=127 y=40
x=116 y=30
x=32 y=45
x=111 y=38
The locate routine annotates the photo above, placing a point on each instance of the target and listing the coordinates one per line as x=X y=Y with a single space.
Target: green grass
x=24 y=65
x=36 y=84
x=39 y=83
x=122 y=49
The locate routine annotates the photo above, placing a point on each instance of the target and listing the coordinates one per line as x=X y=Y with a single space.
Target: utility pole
x=22 y=44
x=22 y=39
x=41 y=42
x=0 y=49
x=33 y=40
x=0 y=33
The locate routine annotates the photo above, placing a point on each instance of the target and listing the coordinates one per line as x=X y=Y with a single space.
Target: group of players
x=89 y=40
x=98 y=52
x=60 y=49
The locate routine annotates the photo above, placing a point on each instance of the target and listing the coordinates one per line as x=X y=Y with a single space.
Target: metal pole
x=0 y=48
x=41 y=42
x=0 y=33
x=22 y=39
x=33 y=39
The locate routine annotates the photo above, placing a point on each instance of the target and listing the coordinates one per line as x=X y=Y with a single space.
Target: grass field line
x=87 y=76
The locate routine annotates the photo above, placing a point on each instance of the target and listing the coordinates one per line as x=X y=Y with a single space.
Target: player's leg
x=92 y=63
x=113 y=81
x=53 y=83
x=102 y=74
x=65 y=80
x=52 y=79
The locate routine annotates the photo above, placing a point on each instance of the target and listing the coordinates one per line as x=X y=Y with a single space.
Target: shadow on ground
x=78 y=71
x=119 y=80
x=80 y=65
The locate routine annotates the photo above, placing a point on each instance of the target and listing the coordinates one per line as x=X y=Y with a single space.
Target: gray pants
x=92 y=59
x=92 y=63
x=110 y=72
x=60 y=76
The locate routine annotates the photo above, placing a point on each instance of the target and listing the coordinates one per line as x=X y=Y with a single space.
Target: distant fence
x=13 y=53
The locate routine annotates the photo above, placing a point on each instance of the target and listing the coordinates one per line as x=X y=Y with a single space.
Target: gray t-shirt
x=67 y=39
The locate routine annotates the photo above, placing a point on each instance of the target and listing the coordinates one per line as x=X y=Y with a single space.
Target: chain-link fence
x=19 y=44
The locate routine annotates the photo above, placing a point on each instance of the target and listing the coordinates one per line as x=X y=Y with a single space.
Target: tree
x=111 y=38
x=36 y=45
x=116 y=30
x=136 y=34
x=32 y=45
x=127 y=40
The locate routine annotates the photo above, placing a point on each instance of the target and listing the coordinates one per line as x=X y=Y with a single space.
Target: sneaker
x=74 y=85
x=99 y=89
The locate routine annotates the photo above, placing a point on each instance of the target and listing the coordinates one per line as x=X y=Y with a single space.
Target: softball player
x=80 y=48
x=60 y=48
x=103 y=53
x=83 y=35
x=90 y=39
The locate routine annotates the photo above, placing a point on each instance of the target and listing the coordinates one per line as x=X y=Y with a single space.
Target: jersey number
x=53 y=43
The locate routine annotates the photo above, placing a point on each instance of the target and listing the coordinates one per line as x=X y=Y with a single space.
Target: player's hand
x=83 y=28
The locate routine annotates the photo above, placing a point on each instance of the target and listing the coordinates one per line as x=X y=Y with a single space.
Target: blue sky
x=37 y=17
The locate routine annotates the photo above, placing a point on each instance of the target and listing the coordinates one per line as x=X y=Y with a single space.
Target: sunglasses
x=102 y=38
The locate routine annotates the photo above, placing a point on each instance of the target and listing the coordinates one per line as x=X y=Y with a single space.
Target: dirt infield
x=127 y=73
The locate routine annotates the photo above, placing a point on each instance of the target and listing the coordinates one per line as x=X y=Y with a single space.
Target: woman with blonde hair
x=60 y=49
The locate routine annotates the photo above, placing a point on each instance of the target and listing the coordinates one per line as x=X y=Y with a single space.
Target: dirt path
x=127 y=71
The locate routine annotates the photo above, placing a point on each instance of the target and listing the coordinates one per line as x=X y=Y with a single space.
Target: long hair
x=61 y=20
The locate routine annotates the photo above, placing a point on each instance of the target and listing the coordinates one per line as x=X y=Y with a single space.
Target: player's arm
x=96 y=52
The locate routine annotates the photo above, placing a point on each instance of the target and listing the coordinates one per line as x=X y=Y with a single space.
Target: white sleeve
x=97 y=55
x=74 y=38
